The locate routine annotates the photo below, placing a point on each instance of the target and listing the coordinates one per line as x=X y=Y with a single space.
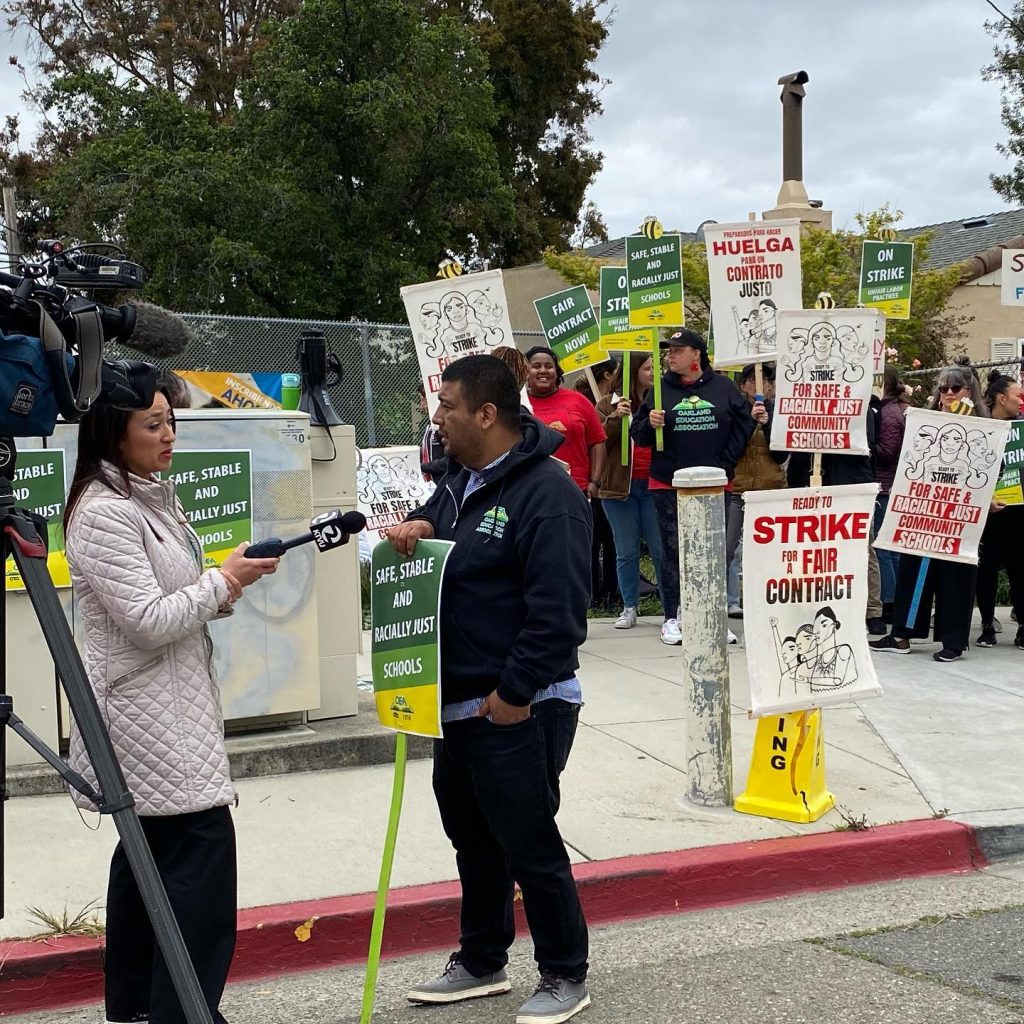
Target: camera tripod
x=22 y=535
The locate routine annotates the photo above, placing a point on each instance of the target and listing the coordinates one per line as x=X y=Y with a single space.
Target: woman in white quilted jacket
x=145 y=600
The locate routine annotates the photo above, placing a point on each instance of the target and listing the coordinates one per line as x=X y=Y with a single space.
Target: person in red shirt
x=570 y=414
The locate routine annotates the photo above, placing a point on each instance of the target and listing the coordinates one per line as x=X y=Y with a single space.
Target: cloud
x=896 y=109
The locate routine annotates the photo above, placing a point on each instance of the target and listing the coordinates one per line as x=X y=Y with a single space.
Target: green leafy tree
x=540 y=56
x=1007 y=68
x=361 y=148
x=380 y=127
x=538 y=78
x=200 y=50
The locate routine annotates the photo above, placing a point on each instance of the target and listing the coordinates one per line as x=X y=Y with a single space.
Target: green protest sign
x=1009 y=489
x=654 y=267
x=215 y=490
x=886 y=277
x=616 y=334
x=405 y=606
x=39 y=486
x=570 y=327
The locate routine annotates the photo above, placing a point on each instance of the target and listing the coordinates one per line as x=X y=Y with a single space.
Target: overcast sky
x=896 y=109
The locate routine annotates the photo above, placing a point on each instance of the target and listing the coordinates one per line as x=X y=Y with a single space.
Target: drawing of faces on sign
x=826 y=352
x=459 y=323
x=952 y=455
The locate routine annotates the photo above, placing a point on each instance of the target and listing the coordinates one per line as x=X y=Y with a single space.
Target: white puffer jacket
x=144 y=600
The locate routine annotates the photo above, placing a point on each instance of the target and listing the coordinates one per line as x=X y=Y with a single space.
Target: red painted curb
x=68 y=972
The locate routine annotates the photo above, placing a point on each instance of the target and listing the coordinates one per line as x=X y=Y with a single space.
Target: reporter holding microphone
x=144 y=600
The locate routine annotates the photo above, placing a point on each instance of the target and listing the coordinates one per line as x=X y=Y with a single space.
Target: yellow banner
x=589 y=356
x=894 y=309
x=1010 y=495
x=416 y=710
x=630 y=341
x=234 y=390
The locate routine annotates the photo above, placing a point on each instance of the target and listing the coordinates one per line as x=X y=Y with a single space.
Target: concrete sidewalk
x=943 y=738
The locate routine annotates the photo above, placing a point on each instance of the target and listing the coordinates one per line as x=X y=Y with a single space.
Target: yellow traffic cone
x=787 y=769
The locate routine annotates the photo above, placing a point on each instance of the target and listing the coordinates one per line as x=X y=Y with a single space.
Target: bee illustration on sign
x=449 y=269
x=827 y=352
x=652 y=228
x=951 y=455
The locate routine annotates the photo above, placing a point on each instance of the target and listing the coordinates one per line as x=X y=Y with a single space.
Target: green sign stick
x=384 y=883
x=659 y=432
x=629 y=419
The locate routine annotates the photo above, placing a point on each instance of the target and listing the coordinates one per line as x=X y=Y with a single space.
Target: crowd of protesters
x=710 y=419
x=951 y=589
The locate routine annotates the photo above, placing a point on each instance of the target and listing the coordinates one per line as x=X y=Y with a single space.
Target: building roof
x=957 y=241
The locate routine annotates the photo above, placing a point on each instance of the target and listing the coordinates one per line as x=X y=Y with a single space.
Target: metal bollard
x=700 y=513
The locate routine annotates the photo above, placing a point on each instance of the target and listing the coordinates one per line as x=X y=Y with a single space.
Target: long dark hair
x=634 y=394
x=892 y=387
x=100 y=434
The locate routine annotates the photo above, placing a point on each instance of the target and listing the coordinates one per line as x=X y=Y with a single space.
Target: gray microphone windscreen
x=158 y=333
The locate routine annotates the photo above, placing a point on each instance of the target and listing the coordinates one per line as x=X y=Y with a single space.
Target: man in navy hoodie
x=513 y=612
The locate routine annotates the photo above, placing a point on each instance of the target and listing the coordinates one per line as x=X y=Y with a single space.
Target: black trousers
x=950 y=585
x=605 y=580
x=1002 y=545
x=668 y=571
x=497 y=790
x=195 y=856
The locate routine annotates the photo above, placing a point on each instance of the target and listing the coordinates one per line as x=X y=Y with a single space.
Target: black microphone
x=330 y=530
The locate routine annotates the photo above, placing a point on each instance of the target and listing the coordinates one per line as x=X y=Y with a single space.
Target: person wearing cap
x=706 y=423
x=759 y=468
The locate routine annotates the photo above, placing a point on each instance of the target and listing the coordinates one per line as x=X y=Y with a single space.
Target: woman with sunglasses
x=949 y=585
x=1001 y=540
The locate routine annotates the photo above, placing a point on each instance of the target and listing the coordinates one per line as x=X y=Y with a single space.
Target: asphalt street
x=941 y=950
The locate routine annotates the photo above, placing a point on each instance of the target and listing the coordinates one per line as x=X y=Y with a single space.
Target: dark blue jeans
x=497 y=790
x=632 y=519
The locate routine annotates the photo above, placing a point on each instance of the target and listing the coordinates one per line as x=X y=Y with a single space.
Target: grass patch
x=85 y=922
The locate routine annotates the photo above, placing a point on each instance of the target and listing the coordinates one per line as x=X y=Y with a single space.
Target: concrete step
x=315 y=746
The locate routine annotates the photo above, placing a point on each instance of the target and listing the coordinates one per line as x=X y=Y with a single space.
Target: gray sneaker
x=456 y=984
x=556 y=999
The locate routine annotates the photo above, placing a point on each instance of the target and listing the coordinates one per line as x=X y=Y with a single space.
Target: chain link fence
x=378 y=392
x=922 y=381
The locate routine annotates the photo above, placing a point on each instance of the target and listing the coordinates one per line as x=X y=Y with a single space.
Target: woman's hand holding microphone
x=240 y=572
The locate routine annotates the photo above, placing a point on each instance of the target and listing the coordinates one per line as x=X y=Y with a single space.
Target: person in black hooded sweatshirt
x=706 y=422
x=513 y=613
